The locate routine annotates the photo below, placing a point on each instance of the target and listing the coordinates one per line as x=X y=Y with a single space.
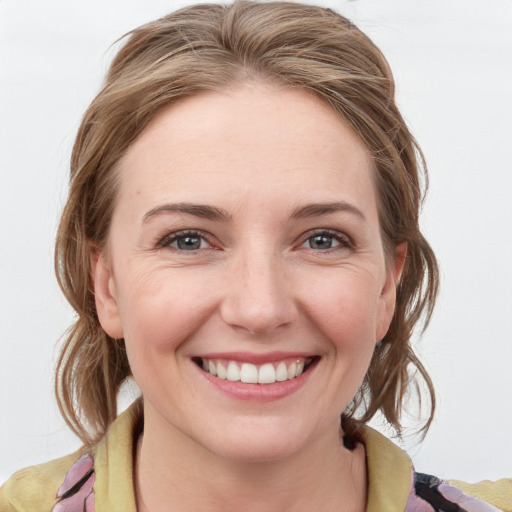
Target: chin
x=259 y=440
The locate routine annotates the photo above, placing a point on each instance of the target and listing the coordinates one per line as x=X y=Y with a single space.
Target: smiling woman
x=276 y=261
x=241 y=237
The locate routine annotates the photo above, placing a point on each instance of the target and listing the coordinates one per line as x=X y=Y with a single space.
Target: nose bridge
x=259 y=298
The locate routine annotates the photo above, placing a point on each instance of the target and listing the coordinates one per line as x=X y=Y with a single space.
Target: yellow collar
x=390 y=473
x=389 y=468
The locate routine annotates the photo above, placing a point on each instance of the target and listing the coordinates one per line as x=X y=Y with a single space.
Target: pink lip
x=258 y=359
x=256 y=392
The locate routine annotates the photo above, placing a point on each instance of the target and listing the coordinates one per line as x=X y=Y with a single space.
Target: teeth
x=249 y=373
x=267 y=373
x=291 y=370
x=233 y=372
x=221 y=371
x=281 y=372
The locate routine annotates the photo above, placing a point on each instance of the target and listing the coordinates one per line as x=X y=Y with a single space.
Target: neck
x=173 y=473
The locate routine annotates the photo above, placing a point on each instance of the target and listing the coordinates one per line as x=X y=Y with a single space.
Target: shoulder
x=431 y=493
x=41 y=487
x=393 y=484
x=499 y=493
x=100 y=476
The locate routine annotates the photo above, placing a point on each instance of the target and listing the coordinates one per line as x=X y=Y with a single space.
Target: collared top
x=101 y=479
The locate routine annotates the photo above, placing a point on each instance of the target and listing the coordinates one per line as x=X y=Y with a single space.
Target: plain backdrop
x=452 y=61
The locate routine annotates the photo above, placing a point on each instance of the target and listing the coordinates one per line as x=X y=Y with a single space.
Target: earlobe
x=105 y=295
x=388 y=293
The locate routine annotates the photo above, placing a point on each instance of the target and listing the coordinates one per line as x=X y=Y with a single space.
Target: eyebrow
x=213 y=213
x=199 y=210
x=317 y=209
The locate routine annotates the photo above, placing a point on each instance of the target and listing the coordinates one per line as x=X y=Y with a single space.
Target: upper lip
x=256 y=358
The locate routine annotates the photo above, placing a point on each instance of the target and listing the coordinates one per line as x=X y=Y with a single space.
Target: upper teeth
x=267 y=373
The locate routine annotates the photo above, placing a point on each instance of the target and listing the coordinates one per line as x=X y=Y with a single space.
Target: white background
x=453 y=65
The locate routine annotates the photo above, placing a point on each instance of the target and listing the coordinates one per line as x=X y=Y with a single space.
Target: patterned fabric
x=76 y=494
x=430 y=494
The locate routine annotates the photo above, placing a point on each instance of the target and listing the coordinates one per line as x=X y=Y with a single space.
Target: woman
x=241 y=237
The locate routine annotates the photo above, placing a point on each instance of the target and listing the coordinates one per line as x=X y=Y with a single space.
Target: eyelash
x=171 y=238
x=343 y=240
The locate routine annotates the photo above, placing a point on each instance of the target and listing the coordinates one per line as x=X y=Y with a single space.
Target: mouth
x=267 y=373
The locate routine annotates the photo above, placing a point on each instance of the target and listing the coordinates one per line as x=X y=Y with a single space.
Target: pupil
x=189 y=243
x=321 y=242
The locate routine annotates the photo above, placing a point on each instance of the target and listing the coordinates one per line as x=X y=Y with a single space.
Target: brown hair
x=209 y=47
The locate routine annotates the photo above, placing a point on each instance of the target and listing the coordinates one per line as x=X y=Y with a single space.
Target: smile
x=249 y=373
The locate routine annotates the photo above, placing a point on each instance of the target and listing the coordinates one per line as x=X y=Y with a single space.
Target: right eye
x=185 y=241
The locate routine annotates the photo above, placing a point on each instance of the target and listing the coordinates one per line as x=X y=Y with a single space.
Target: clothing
x=101 y=480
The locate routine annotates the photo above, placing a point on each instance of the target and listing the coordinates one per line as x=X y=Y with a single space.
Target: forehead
x=257 y=139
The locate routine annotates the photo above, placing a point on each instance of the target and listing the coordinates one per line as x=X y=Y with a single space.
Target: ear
x=105 y=293
x=387 y=298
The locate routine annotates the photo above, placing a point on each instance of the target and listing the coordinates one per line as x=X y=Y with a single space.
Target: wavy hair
x=211 y=47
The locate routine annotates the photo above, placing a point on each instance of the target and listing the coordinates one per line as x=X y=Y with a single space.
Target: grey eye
x=321 y=242
x=188 y=242
x=185 y=241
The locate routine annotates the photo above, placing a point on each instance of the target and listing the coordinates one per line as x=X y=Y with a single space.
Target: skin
x=256 y=283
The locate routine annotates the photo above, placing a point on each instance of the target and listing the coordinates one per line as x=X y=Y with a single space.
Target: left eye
x=324 y=241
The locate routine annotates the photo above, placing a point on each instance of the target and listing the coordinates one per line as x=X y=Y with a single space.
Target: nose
x=258 y=298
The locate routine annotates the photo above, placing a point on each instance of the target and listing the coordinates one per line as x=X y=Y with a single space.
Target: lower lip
x=258 y=392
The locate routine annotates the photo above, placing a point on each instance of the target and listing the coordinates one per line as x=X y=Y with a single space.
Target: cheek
x=348 y=318
x=160 y=310
x=346 y=309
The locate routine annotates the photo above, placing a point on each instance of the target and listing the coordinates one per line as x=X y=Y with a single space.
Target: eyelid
x=345 y=241
x=166 y=241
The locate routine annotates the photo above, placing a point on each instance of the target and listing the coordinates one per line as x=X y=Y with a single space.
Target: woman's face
x=244 y=247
